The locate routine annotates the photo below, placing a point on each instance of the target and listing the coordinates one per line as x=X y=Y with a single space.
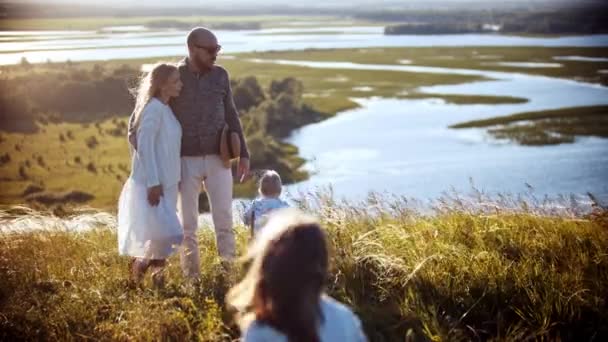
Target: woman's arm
x=149 y=125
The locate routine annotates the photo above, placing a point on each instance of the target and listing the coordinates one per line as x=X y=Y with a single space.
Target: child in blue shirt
x=269 y=188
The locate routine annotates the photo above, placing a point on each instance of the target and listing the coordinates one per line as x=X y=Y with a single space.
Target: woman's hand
x=154 y=194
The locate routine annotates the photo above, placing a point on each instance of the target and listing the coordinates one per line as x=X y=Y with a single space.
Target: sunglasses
x=210 y=49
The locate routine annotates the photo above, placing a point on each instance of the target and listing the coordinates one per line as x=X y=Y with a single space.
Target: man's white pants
x=218 y=184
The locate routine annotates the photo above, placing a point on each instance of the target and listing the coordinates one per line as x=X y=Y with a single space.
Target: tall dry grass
x=499 y=268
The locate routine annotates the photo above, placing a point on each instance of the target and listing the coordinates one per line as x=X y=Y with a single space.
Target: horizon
x=377 y=5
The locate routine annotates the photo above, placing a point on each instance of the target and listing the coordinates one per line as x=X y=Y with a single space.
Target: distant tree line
x=183 y=25
x=574 y=20
x=435 y=28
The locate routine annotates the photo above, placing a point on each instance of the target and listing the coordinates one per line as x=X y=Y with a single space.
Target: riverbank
x=579 y=64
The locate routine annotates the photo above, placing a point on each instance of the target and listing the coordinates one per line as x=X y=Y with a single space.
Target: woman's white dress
x=152 y=232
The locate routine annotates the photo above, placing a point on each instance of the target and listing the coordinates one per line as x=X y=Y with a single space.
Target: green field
x=479 y=58
x=303 y=33
x=546 y=127
x=65 y=164
x=43 y=159
x=102 y=170
x=329 y=90
x=459 y=273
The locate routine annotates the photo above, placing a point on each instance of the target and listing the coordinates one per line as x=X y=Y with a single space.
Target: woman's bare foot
x=158 y=274
x=138 y=269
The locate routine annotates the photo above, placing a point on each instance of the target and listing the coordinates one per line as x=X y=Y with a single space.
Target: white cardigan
x=157 y=158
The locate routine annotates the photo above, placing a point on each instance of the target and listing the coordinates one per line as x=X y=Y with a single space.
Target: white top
x=159 y=136
x=261 y=209
x=339 y=324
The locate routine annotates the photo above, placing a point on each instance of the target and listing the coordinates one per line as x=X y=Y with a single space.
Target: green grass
x=467 y=58
x=328 y=91
x=305 y=33
x=61 y=171
x=547 y=114
x=88 y=48
x=468 y=99
x=546 y=127
x=458 y=273
x=58 y=159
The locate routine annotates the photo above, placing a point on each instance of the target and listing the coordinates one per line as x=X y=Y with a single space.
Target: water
x=580 y=58
x=405 y=146
x=400 y=146
x=136 y=42
x=532 y=65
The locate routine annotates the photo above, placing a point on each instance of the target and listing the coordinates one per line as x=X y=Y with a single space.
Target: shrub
x=51 y=198
x=91 y=167
x=40 y=161
x=31 y=189
x=5 y=159
x=92 y=142
x=22 y=173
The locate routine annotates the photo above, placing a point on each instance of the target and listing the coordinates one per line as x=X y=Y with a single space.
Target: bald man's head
x=200 y=36
x=202 y=47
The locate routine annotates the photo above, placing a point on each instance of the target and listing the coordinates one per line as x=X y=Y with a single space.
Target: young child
x=281 y=298
x=270 y=187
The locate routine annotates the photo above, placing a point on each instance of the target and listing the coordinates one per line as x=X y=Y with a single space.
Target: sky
x=365 y=5
x=207 y=3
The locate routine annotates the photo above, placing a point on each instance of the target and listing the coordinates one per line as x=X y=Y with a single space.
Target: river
x=400 y=146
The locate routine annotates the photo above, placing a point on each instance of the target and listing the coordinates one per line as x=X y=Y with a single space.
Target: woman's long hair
x=149 y=86
x=285 y=281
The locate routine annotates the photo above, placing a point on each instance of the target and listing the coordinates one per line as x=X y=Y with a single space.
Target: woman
x=148 y=227
x=281 y=297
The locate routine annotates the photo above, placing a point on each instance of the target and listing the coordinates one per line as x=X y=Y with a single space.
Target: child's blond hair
x=270 y=184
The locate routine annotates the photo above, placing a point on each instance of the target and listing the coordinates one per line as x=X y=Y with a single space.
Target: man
x=203 y=107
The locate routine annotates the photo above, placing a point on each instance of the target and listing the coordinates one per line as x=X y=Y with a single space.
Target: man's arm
x=232 y=117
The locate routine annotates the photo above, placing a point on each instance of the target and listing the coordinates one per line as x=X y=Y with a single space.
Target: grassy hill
x=465 y=271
